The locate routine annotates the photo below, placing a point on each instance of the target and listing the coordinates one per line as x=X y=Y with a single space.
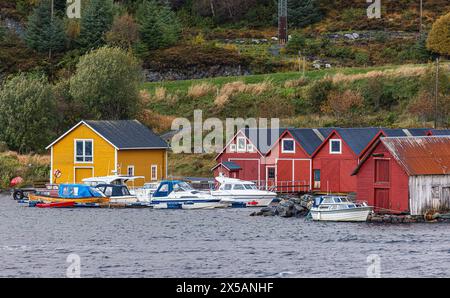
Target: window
x=270 y=173
x=249 y=147
x=130 y=171
x=233 y=148
x=227 y=187
x=316 y=178
x=241 y=145
x=154 y=173
x=288 y=146
x=382 y=171
x=335 y=147
x=238 y=187
x=84 y=151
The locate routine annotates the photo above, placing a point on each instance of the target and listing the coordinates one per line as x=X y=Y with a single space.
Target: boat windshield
x=250 y=186
x=182 y=186
x=238 y=187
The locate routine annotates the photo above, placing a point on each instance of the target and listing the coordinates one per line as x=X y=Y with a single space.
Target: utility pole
x=436 y=94
x=421 y=17
x=282 y=22
x=51 y=24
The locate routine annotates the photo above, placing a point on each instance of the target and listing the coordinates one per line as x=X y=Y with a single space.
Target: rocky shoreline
x=299 y=207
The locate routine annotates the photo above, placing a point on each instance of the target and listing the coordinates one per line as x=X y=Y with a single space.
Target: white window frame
x=128 y=170
x=233 y=148
x=237 y=144
x=331 y=146
x=154 y=178
x=250 y=147
x=84 y=156
x=287 y=151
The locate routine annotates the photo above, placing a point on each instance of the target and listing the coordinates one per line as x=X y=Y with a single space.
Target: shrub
x=317 y=93
x=107 y=83
x=343 y=104
x=200 y=90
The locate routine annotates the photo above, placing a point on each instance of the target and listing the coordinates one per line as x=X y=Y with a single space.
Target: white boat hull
x=187 y=205
x=249 y=202
x=353 y=215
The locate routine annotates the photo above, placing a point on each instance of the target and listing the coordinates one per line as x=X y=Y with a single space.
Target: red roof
x=421 y=155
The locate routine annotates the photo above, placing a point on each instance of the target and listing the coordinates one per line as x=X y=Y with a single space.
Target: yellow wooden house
x=102 y=148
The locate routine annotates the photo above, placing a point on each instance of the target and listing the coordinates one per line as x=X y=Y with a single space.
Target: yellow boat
x=77 y=193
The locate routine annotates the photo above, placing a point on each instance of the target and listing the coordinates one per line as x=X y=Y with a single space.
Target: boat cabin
x=167 y=187
x=78 y=191
x=114 y=190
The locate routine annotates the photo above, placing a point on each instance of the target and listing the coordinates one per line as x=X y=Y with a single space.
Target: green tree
x=302 y=13
x=158 y=25
x=106 y=83
x=27 y=112
x=439 y=37
x=97 y=19
x=45 y=33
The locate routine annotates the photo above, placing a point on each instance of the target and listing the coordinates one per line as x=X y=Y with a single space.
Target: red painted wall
x=396 y=188
x=336 y=169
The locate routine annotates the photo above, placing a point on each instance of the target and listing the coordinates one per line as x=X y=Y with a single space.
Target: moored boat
x=336 y=208
x=69 y=204
x=180 y=195
x=240 y=191
x=77 y=193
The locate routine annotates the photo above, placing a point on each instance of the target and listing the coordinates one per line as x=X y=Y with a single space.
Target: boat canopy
x=113 y=179
x=78 y=191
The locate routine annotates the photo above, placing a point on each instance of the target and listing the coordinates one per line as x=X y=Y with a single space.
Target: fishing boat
x=244 y=192
x=180 y=195
x=337 y=208
x=77 y=193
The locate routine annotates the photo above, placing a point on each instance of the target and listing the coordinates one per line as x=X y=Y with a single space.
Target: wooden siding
x=429 y=192
x=142 y=161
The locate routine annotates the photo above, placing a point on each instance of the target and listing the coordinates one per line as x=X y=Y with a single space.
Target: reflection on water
x=210 y=243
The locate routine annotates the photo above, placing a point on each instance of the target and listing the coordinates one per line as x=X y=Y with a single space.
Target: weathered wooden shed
x=406 y=174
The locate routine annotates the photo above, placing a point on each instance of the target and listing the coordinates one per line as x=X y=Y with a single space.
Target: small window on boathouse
x=288 y=146
x=335 y=146
x=84 y=151
x=130 y=171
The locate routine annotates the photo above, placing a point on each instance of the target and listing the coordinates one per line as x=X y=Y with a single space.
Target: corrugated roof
x=358 y=138
x=127 y=134
x=440 y=132
x=263 y=138
x=421 y=155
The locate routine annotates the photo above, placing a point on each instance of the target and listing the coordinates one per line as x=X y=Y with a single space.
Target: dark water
x=210 y=243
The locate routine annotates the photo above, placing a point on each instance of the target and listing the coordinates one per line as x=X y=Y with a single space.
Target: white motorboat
x=144 y=194
x=244 y=192
x=115 y=187
x=336 y=208
x=180 y=195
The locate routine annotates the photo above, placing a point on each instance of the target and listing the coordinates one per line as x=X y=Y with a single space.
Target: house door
x=330 y=180
x=82 y=173
x=382 y=201
x=270 y=177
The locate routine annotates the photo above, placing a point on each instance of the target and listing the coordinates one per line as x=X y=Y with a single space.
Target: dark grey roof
x=358 y=138
x=263 y=138
x=394 y=132
x=418 y=132
x=440 y=132
x=231 y=165
x=308 y=138
x=127 y=134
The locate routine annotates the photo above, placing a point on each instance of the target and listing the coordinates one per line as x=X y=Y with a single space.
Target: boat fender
x=18 y=195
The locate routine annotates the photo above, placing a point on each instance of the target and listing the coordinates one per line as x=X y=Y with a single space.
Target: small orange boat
x=75 y=193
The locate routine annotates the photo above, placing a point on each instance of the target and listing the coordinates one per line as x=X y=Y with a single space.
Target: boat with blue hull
x=180 y=195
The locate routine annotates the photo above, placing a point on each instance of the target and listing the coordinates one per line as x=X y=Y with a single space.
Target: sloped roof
x=358 y=138
x=263 y=138
x=123 y=134
x=310 y=139
x=421 y=155
x=418 y=132
x=440 y=132
x=232 y=166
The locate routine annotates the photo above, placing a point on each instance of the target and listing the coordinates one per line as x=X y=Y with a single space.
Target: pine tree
x=45 y=33
x=302 y=13
x=158 y=25
x=97 y=19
